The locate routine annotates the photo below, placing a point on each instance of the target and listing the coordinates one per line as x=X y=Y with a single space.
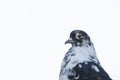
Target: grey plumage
x=81 y=62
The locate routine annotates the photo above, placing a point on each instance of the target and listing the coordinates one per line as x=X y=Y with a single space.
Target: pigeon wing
x=88 y=71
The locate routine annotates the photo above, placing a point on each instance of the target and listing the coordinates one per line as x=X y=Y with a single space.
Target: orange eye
x=78 y=36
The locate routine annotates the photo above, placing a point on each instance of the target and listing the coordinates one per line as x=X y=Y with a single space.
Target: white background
x=33 y=32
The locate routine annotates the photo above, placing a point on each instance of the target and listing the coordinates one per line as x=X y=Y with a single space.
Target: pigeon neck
x=86 y=52
x=82 y=45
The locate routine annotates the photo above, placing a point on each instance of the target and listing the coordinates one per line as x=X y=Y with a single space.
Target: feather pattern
x=81 y=62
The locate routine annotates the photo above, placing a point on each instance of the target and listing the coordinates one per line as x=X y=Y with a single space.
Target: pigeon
x=81 y=62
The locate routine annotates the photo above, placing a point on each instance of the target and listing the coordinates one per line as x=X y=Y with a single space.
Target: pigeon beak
x=69 y=41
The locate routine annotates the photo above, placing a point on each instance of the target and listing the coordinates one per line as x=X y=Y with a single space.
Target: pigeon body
x=81 y=62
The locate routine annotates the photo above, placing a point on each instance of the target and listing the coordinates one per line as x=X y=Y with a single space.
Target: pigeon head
x=78 y=38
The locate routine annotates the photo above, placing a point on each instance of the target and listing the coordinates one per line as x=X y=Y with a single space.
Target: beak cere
x=69 y=41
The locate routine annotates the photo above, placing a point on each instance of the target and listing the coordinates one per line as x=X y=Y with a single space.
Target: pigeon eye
x=78 y=36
